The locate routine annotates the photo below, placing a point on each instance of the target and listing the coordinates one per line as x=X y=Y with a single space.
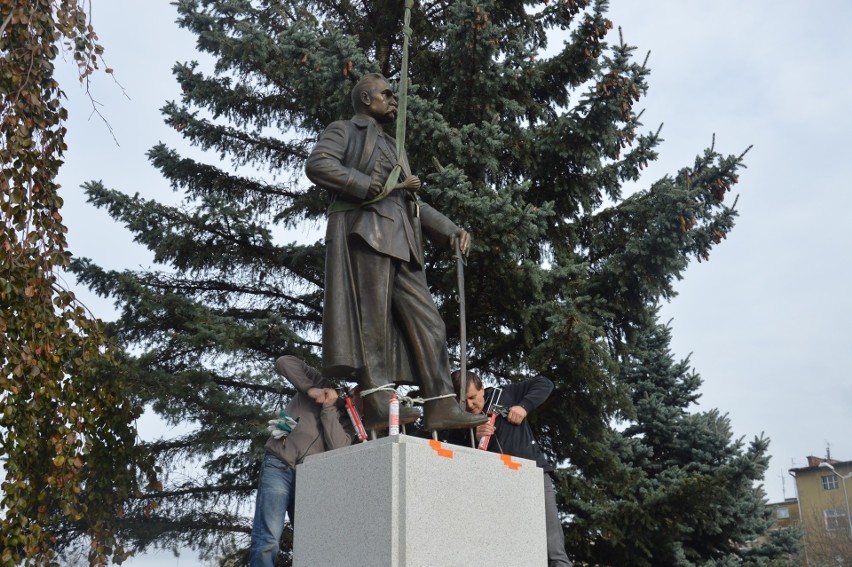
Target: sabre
x=462 y=326
x=462 y=336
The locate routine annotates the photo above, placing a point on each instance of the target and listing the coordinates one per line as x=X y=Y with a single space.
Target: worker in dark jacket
x=512 y=435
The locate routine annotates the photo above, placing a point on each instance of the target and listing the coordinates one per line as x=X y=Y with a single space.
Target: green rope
x=402 y=106
x=403 y=82
x=402 y=114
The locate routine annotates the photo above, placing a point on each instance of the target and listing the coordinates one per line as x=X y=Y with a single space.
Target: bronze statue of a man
x=380 y=322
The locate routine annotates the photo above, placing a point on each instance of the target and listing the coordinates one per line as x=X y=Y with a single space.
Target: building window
x=782 y=513
x=829 y=482
x=835 y=519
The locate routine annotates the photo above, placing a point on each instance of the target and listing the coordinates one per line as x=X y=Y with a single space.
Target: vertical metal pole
x=462 y=328
x=463 y=340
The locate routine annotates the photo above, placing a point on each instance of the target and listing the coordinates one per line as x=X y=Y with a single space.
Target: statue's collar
x=364 y=120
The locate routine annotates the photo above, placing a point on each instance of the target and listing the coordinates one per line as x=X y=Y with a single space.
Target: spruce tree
x=524 y=128
x=681 y=491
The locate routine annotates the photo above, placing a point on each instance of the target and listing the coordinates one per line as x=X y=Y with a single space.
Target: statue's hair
x=472 y=379
x=363 y=85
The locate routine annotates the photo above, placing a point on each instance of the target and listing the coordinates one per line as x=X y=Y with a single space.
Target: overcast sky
x=765 y=320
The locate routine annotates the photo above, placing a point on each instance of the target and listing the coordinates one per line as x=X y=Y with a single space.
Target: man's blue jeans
x=276 y=494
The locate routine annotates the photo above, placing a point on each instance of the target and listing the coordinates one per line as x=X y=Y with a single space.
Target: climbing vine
x=67 y=441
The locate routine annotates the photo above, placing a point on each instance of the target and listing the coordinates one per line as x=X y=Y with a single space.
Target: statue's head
x=373 y=96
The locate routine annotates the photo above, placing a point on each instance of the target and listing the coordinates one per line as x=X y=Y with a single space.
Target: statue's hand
x=463 y=238
x=412 y=183
x=377 y=180
x=377 y=185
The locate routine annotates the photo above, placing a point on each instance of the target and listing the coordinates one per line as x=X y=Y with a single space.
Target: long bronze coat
x=343 y=161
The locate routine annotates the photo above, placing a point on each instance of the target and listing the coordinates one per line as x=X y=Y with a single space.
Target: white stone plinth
x=403 y=501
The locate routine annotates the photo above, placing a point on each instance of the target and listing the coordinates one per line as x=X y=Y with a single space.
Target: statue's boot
x=376 y=411
x=445 y=413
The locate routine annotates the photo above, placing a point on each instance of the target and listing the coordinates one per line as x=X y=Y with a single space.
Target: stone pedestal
x=403 y=501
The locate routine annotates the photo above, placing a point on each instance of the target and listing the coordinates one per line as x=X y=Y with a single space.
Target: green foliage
x=680 y=490
x=529 y=146
x=66 y=434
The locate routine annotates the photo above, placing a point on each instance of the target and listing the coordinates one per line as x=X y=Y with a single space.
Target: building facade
x=822 y=494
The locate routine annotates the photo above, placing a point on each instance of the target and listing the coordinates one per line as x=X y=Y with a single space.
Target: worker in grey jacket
x=317 y=423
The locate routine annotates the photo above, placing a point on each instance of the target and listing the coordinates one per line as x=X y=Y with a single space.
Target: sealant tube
x=485 y=439
x=393 y=415
x=356 y=420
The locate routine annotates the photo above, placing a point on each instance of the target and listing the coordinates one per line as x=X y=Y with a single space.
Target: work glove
x=281 y=427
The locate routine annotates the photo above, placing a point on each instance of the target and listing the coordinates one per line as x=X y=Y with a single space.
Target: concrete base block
x=403 y=501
